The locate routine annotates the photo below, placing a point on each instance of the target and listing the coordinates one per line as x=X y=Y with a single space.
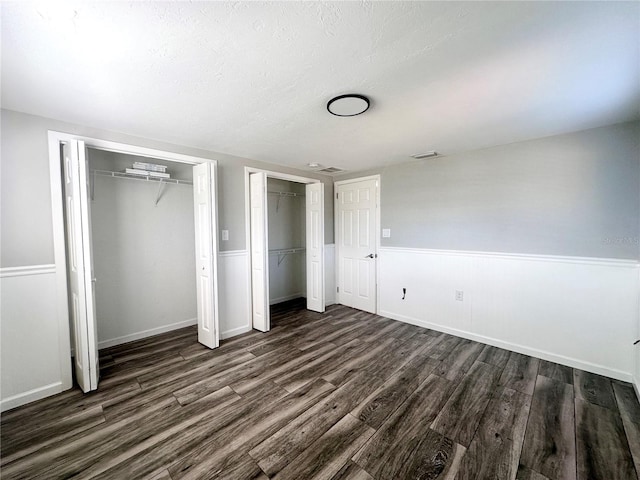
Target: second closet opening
x=286 y=218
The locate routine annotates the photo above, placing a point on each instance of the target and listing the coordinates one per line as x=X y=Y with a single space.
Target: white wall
x=580 y=312
x=144 y=254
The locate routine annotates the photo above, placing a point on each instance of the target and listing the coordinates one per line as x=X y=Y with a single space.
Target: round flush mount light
x=348 y=105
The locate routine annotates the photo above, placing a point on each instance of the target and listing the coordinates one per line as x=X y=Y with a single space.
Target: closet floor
x=340 y=395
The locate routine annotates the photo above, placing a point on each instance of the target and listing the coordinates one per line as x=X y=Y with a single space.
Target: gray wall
x=286 y=230
x=25 y=201
x=576 y=194
x=144 y=254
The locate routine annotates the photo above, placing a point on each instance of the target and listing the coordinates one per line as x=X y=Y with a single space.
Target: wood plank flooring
x=344 y=395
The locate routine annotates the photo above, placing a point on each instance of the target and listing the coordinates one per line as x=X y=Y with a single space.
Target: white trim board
x=132 y=337
x=31 y=396
x=45 y=269
x=619 y=262
x=233 y=253
x=286 y=298
x=235 y=332
x=532 y=352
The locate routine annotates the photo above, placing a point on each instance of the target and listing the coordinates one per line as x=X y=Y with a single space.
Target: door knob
x=369 y=256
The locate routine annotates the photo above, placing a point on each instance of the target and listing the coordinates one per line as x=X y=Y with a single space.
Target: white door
x=259 y=252
x=80 y=264
x=315 y=246
x=204 y=207
x=356 y=239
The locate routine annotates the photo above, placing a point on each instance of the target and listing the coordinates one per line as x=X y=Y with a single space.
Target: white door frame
x=56 y=138
x=247 y=217
x=377 y=239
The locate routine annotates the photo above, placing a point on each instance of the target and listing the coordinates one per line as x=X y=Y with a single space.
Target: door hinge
x=336 y=195
x=338 y=289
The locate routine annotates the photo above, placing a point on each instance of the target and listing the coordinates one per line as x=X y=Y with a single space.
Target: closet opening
x=135 y=247
x=285 y=234
x=143 y=239
x=286 y=219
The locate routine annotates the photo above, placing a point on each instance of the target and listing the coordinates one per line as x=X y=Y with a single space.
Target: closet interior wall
x=286 y=222
x=143 y=252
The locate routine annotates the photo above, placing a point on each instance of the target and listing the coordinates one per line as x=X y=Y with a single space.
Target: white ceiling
x=253 y=79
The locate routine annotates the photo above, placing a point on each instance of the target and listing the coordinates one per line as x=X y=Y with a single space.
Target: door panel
x=206 y=253
x=259 y=251
x=80 y=264
x=356 y=239
x=315 y=246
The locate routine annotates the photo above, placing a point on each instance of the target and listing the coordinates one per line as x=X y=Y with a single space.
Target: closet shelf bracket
x=282 y=253
x=161 y=185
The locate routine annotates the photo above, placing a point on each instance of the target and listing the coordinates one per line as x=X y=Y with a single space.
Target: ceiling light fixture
x=432 y=153
x=348 y=105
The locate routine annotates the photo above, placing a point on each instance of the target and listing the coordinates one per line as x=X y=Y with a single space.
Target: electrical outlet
x=386 y=233
x=459 y=295
x=225 y=235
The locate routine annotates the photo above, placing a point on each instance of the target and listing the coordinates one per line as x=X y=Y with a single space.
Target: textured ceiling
x=253 y=79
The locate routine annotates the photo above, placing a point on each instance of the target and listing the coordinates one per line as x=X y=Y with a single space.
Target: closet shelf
x=107 y=173
x=283 y=252
x=131 y=176
x=285 y=195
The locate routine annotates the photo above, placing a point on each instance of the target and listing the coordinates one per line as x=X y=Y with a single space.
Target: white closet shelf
x=287 y=251
x=144 y=178
x=132 y=176
x=286 y=194
x=283 y=252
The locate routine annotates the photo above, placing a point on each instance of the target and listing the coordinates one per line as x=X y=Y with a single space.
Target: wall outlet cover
x=386 y=233
x=225 y=235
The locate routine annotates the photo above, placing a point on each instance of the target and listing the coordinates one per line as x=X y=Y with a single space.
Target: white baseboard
x=30 y=396
x=147 y=333
x=234 y=332
x=286 y=298
x=532 y=352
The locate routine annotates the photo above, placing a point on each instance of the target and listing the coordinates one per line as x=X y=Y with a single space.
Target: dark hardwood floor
x=341 y=395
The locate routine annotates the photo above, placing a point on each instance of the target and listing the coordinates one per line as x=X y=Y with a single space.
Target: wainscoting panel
x=29 y=319
x=234 y=299
x=579 y=312
x=330 y=274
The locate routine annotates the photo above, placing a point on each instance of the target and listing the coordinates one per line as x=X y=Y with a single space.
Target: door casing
x=55 y=140
x=247 y=203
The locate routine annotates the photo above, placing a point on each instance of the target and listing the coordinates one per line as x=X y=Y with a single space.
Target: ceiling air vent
x=419 y=156
x=330 y=170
